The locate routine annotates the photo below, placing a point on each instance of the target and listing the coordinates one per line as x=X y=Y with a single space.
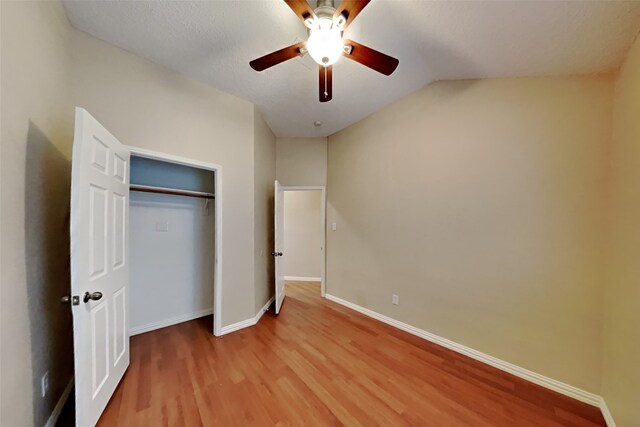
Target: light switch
x=334 y=226
x=162 y=227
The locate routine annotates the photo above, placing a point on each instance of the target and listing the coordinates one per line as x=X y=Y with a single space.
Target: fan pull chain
x=326 y=94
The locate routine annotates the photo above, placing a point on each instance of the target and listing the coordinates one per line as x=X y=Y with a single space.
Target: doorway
x=188 y=201
x=304 y=235
x=171 y=241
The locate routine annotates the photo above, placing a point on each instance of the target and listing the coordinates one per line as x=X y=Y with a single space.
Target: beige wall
x=47 y=68
x=301 y=161
x=37 y=123
x=480 y=204
x=148 y=106
x=303 y=233
x=621 y=376
x=264 y=161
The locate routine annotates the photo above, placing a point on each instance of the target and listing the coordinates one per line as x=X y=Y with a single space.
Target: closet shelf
x=172 y=191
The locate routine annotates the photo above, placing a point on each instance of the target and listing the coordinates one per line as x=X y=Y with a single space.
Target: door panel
x=279 y=244
x=120 y=333
x=99 y=264
x=119 y=238
x=97 y=229
x=99 y=347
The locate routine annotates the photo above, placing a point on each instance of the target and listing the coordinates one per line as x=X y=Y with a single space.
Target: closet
x=171 y=240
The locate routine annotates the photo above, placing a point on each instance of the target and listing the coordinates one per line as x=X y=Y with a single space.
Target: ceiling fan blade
x=373 y=59
x=350 y=9
x=275 y=58
x=326 y=80
x=302 y=9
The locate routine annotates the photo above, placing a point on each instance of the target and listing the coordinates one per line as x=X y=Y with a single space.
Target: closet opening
x=174 y=241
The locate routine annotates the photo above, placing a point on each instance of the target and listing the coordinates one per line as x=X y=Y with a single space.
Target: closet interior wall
x=171 y=245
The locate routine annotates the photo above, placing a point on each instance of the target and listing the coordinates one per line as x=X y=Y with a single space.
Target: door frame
x=323 y=220
x=217 y=171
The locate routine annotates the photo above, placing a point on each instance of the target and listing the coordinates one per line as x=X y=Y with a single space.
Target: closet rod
x=172 y=191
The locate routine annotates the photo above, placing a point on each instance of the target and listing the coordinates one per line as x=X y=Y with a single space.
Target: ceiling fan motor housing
x=325 y=8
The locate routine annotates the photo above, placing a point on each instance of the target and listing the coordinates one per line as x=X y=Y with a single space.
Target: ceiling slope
x=213 y=42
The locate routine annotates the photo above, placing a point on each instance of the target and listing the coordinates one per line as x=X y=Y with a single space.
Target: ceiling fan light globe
x=325 y=43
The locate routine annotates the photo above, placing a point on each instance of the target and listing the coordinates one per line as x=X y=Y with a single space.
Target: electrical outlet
x=44 y=383
x=395 y=300
x=334 y=226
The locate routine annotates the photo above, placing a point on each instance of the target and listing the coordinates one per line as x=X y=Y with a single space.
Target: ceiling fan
x=326 y=45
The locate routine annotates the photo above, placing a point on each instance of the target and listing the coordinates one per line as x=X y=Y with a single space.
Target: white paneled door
x=99 y=265
x=279 y=244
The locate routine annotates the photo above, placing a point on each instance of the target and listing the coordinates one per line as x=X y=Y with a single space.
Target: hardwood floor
x=319 y=363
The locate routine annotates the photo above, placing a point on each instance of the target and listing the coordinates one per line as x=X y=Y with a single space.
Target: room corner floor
x=318 y=363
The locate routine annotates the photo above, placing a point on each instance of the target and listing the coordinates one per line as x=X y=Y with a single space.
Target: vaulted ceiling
x=213 y=42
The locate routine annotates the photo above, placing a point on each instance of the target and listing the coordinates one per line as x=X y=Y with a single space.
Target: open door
x=99 y=265
x=278 y=244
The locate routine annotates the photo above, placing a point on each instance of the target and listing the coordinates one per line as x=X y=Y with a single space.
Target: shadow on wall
x=47 y=210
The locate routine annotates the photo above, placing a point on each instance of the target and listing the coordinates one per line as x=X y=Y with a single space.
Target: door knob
x=95 y=296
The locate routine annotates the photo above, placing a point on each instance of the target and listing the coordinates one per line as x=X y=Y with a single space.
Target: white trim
x=169 y=322
x=248 y=322
x=217 y=169
x=264 y=309
x=323 y=220
x=303 y=187
x=608 y=417
x=57 y=410
x=303 y=279
x=557 y=386
x=237 y=326
x=157 y=155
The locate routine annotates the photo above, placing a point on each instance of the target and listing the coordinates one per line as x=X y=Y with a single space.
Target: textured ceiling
x=213 y=42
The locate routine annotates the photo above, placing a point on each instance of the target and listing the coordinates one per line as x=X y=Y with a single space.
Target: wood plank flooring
x=320 y=364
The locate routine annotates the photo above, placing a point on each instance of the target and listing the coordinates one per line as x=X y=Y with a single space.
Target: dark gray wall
x=170 y=175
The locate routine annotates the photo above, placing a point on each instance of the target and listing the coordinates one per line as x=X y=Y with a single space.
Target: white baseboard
x=169 y=322
x=248 y=322
x=302 y=279
x=57 y=410
x=606 y=413
x=557 y=386
x=264 y=309
x=237 y=326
